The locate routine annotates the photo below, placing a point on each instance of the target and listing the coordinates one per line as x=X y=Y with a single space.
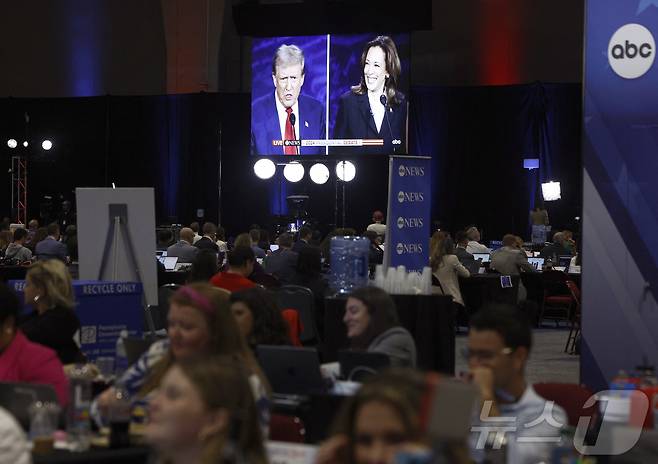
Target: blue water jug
x=349 y=263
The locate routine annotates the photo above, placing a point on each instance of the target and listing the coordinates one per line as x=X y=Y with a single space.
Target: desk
x=132 y=455
x=429 y=318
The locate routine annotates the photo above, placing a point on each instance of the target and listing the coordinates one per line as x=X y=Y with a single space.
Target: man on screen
x=287 y=115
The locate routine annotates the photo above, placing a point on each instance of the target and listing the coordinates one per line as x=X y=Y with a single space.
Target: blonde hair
x=54 y=280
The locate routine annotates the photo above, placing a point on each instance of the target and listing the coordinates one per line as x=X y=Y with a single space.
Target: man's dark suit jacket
x=553 y=250
x=467 y=260
x=299 y=245
x=355 y=121
x=265 y=125
x=281 y=264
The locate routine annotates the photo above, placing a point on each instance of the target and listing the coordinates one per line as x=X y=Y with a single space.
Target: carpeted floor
x=548 y=362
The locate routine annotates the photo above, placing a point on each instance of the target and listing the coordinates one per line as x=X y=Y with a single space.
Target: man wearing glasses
x=512 y=412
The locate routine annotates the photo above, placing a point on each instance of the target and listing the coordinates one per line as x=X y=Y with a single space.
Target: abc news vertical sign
x=408 y=220
x=620 y=130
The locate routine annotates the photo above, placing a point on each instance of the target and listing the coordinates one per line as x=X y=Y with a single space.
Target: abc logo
x=399 y=248
x=401 y=196
x=400 y=223
x=631 y=51
x=401 y=170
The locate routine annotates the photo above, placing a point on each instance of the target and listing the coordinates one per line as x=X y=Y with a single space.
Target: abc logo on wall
x=631 y=51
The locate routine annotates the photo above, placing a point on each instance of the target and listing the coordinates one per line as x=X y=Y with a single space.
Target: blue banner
x=104 y=310
x=620 y=217
x=409 y=206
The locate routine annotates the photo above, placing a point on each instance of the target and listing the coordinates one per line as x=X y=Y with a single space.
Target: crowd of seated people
x=209 y=399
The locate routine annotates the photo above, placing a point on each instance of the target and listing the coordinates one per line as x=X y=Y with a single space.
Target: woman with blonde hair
x=204 y=413
x=53 y=323
x=446 y=266
x=200 y=323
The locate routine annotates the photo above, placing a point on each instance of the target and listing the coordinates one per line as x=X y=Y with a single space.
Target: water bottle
x=78 y=426
x=121 y=359
x=349 y=263
x=119 y=416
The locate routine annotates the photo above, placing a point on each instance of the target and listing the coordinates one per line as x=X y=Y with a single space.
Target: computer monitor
x=538 y=263
x=484 y=257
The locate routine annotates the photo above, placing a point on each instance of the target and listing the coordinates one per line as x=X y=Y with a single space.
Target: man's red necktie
x=289 y=135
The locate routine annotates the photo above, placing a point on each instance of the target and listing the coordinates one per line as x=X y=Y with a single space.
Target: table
x=429 y=318
x=132 y=455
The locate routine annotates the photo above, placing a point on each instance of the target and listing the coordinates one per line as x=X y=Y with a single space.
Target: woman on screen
x=375 y=108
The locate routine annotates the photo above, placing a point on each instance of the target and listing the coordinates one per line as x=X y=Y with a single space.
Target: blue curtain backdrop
x=477 y=138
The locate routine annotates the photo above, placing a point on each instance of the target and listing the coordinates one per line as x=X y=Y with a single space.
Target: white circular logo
x=401 y=196
x=401 y=170
x=399 y=248
x=631 y=51
x=400 y=222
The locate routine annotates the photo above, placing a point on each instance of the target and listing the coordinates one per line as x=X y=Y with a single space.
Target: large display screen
x=330 y=94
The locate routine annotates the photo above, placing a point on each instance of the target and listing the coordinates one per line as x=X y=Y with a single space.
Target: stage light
x=12 y=143
x=319 y=173
x=264 y=168
x=550 y=191
x=25 y=144
x=346 y=171
x=293 y=172
x=46 y=144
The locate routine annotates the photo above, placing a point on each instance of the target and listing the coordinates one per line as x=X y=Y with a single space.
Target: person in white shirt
x=497 y=350
x=195 y=227
x=13 y=444
x=377 y=226
x=474 y=245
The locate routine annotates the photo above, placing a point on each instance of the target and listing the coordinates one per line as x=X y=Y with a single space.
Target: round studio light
x=12 y=143
x=46 y=144
x=25 y=144
x=346 y=171
x=293 y=172
x=319 y=173
x=264 y=168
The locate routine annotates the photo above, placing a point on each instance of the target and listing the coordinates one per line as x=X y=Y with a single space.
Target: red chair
x=571 y=397
x=287 y=428
x=557 y=300
x=574 y=325
x=291 y=316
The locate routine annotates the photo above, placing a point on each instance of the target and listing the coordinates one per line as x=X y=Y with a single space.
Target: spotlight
x=319 y=173
x=346 y=171
x=46 y=144
x=25 y=144
x=12 y=143
x=264 y=168
x=551 y=191
x=293 y=172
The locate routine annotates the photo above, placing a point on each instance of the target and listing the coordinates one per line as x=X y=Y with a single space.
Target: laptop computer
x=169 y=262
x=564 y=261
x=357 y=365
x=484 y=257
x=292 y=370
x=538 y=263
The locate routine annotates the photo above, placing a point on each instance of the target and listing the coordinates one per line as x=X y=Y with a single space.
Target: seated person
x=50 y=247
x=207 y=242
x=183 y=249
x=165 y=237
x=382 y=420
x=258 y=274
x=510 y=260
x=498 y=347
x=254 y=235
x=464 y=257
x=555 y=249
x=375 y=253
x=377 y=225
x=13 y=443
x=204 y=266
x=204 y=413
x=16 y=251
x=22 y=360
x=372 y=325
x=281 y=263
x=259 y=318
x=200 y=323
x=474 y=245
x=53 y=322
x=240 y=265
x=446 y=266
